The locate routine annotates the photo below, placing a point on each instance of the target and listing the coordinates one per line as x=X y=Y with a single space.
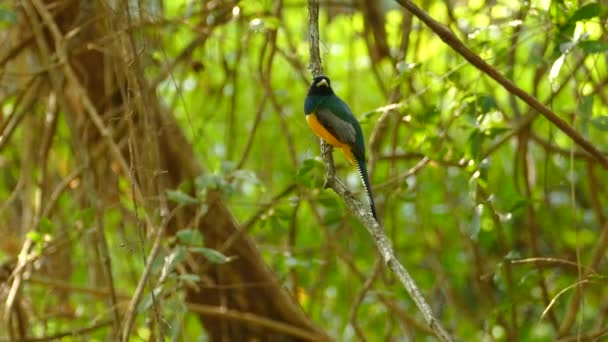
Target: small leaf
x=211 y=254
x=585 y=106
x=328 y=201
x=593 y=46
x=495 y=131
x=46 y=226
x=513 y=255
x=600 y=122
x=308 y=165
x=520 y=204
x=35 y=236
x=227 y=166
x=204 y=182
x=180 y=197
x=188 y=277
x=556 y=67
x=175 y=258
x=147 y=302
x=7 y=16
x=486 y=103
x=474 y=142
x=306 y=177
x=190 y=237
x=333 y=216
x=587 y=11
x=476 y=222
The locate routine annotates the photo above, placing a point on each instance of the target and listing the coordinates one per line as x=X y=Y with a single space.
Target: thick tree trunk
x=150 y=139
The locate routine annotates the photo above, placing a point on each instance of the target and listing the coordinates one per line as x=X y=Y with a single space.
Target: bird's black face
x=321 y=81
x=320 y=86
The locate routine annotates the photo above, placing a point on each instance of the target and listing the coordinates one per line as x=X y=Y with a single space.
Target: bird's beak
x=322 y=82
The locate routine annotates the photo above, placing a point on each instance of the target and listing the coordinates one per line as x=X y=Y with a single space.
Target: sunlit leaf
x=7 y=15
x=177 y=256
x=180 y=197
x=149 y=299
x=600 y=122
x=188 y=277
x=212 y=255
x=556 y=67
x=593 y=46
x=587 y=11
x=190 y=236
x=585 y=106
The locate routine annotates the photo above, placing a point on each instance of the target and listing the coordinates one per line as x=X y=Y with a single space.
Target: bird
x=330 y=118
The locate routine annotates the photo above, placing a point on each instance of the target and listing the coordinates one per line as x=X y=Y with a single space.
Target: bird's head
x=321 y=85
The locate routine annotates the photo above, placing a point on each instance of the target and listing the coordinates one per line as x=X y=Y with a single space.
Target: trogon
x=331 y=119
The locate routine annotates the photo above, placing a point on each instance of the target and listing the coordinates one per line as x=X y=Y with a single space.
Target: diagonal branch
x=380 y=239
x=450 y=39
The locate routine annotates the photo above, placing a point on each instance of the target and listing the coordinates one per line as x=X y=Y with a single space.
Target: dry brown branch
x=144 y=280
x=255 y=320
x=67 y=334
x=369 y=282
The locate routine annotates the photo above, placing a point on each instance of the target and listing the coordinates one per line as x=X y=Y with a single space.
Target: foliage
x=502 y=213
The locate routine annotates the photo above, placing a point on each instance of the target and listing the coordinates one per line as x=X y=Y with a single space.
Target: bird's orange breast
x=323 y=133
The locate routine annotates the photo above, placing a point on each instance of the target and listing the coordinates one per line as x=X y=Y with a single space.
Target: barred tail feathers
x=362 y=169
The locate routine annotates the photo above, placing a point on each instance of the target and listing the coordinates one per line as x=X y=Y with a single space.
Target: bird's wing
x=339 y=128
x=343 y=130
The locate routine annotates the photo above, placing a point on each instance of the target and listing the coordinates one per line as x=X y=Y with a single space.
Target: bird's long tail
x=361 y=167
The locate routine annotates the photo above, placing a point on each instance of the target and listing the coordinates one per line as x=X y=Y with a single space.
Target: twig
x=253 y=319
x=381 y=241
x=249 y=223
x=450 y=39
x=361 y=296
x=71 y=333
x=541 y=261
x=144 y=280
x=596 y=257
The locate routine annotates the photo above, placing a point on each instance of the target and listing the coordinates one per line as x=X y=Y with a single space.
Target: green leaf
x=148 y=300
x=211 y=254
x=486 y=103
x=328 y=201
x=556 y=67
x=86 y=216
x=227 y=166
x=495 y=131
x=332 y=216
x=190 y=237
x=308 y=165
x=474 y=142
x=476 y=222
x=600 y=122
x=306 y=176
x=34 y=236
x=593 y=46
x=520 y=204
x=7 y=16
x=587 y=11
x=46 y=226
x=585 y=106
x=180 y=197
x=204 y=182
x=177 y=256
x=513 y=255
x=187 y=277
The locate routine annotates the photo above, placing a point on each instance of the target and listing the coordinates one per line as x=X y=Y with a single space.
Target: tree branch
x=380 y=239
x=451 y=40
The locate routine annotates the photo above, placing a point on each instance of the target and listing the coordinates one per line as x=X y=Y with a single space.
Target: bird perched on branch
x=331 y=119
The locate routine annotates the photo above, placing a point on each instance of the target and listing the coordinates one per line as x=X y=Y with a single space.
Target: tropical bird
x=331 y=119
